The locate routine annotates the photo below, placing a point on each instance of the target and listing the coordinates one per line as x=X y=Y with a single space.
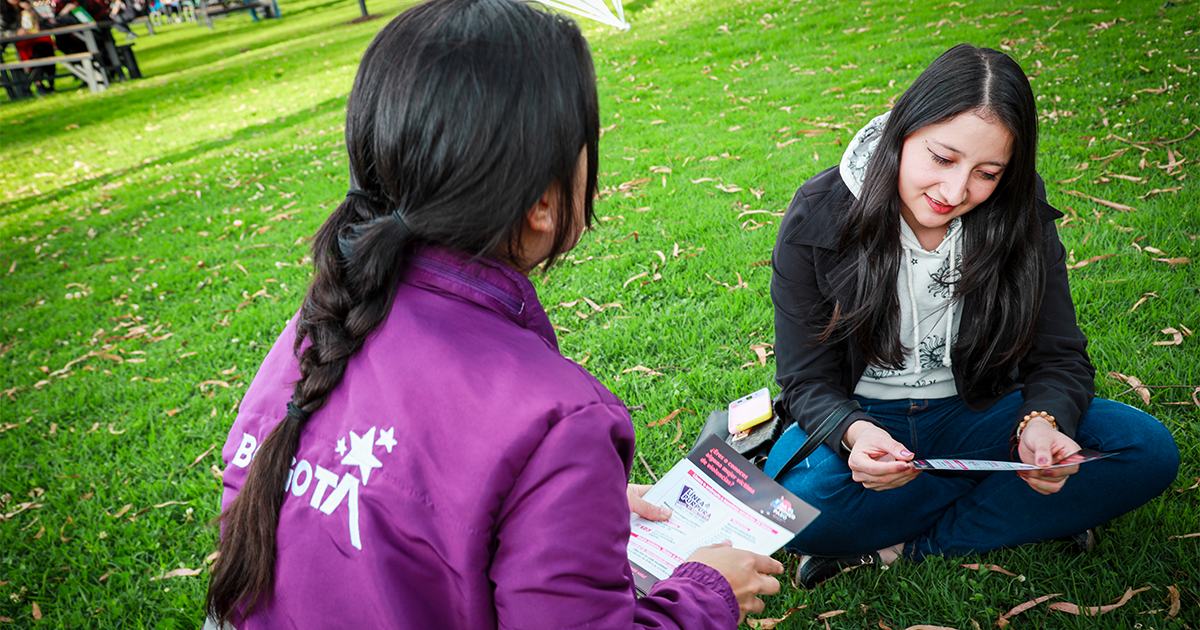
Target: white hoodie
x=928 y=318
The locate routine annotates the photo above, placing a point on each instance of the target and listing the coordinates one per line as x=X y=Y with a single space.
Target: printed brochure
x=1085 y=455
x=714 y=495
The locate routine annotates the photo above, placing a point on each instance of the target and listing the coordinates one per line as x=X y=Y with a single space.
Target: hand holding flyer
x=715 y=495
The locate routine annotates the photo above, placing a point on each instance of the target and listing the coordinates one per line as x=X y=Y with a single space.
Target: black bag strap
x=819 y=436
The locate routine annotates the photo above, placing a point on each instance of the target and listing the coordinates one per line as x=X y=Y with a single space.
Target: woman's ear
x=540 y=217
x=535 y=240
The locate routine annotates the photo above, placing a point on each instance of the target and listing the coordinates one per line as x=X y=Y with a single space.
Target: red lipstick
x=938 y=206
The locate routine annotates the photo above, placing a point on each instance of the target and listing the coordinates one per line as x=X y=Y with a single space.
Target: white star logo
x=341 y=447
x=386 y=440
x=362 y=455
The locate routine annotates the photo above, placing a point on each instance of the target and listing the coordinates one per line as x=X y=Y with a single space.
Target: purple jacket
x=463 y=475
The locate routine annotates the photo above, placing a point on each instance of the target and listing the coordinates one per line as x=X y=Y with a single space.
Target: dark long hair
x=462 y=115
x=10 y=15
x=1002 y=270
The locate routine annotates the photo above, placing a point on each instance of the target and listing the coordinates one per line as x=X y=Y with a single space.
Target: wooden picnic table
x=210 y=8
x=82 y=65
x=104 y=60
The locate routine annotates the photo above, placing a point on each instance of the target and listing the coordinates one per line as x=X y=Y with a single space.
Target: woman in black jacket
x=921 y=287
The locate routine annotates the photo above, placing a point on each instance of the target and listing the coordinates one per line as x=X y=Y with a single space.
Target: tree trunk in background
x=362 y=4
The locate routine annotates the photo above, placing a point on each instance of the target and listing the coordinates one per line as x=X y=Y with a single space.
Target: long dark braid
x=433 y=167
x=342 y=307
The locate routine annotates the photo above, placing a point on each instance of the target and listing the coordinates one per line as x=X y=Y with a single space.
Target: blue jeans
x=962 y=513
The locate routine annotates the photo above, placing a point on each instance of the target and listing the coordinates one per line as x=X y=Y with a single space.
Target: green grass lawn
x=154 y=242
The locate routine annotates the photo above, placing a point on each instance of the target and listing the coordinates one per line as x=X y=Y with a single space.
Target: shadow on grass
x=635 y=6
x=136 y=97
x=25 y=204
x=316 y=7
x=266 y=33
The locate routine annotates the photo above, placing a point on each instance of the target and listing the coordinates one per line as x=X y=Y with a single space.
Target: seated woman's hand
x=748 y=573
x=878 y=461
x=643 y=508
x=1042 y=445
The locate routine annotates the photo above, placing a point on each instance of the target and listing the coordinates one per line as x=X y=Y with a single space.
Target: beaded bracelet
x=1034 y=415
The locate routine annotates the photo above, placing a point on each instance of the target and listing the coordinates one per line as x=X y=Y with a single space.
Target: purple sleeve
x=561 y=537
x=691 y=580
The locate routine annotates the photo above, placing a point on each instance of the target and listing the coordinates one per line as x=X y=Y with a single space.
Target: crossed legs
x=962 y=513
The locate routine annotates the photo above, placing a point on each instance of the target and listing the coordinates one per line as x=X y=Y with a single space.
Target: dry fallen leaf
x=1103 y=202
x=1084 y=263
x=631 y=184
x=669 y=417
x=37 y=612
x=1177 y=337
x=1020 y=608
x=1173 y=261
x=1135 y=383
x=20 y=507
x=1158 y=191
x=643 y=369
x=61 y=535
x=202 y=456
x=989 y=567
x=1173 y=597
x=640 y=275
x=762 y=352
x=741 y=284
x=767 y=624
x=178 y=573
x=1184 y=536
x=1097 y=610
x=1191 y=487
x=1145 y=296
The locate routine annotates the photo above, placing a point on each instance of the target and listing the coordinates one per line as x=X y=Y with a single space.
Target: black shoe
x=814 y=570
x=1081 y=543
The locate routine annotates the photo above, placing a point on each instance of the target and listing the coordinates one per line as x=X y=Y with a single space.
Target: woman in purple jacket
x=414 y=451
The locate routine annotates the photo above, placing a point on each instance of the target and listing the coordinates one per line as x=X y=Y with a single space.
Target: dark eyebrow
x=944 y=145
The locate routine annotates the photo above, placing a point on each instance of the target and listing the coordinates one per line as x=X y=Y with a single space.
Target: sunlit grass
x=154 y=244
